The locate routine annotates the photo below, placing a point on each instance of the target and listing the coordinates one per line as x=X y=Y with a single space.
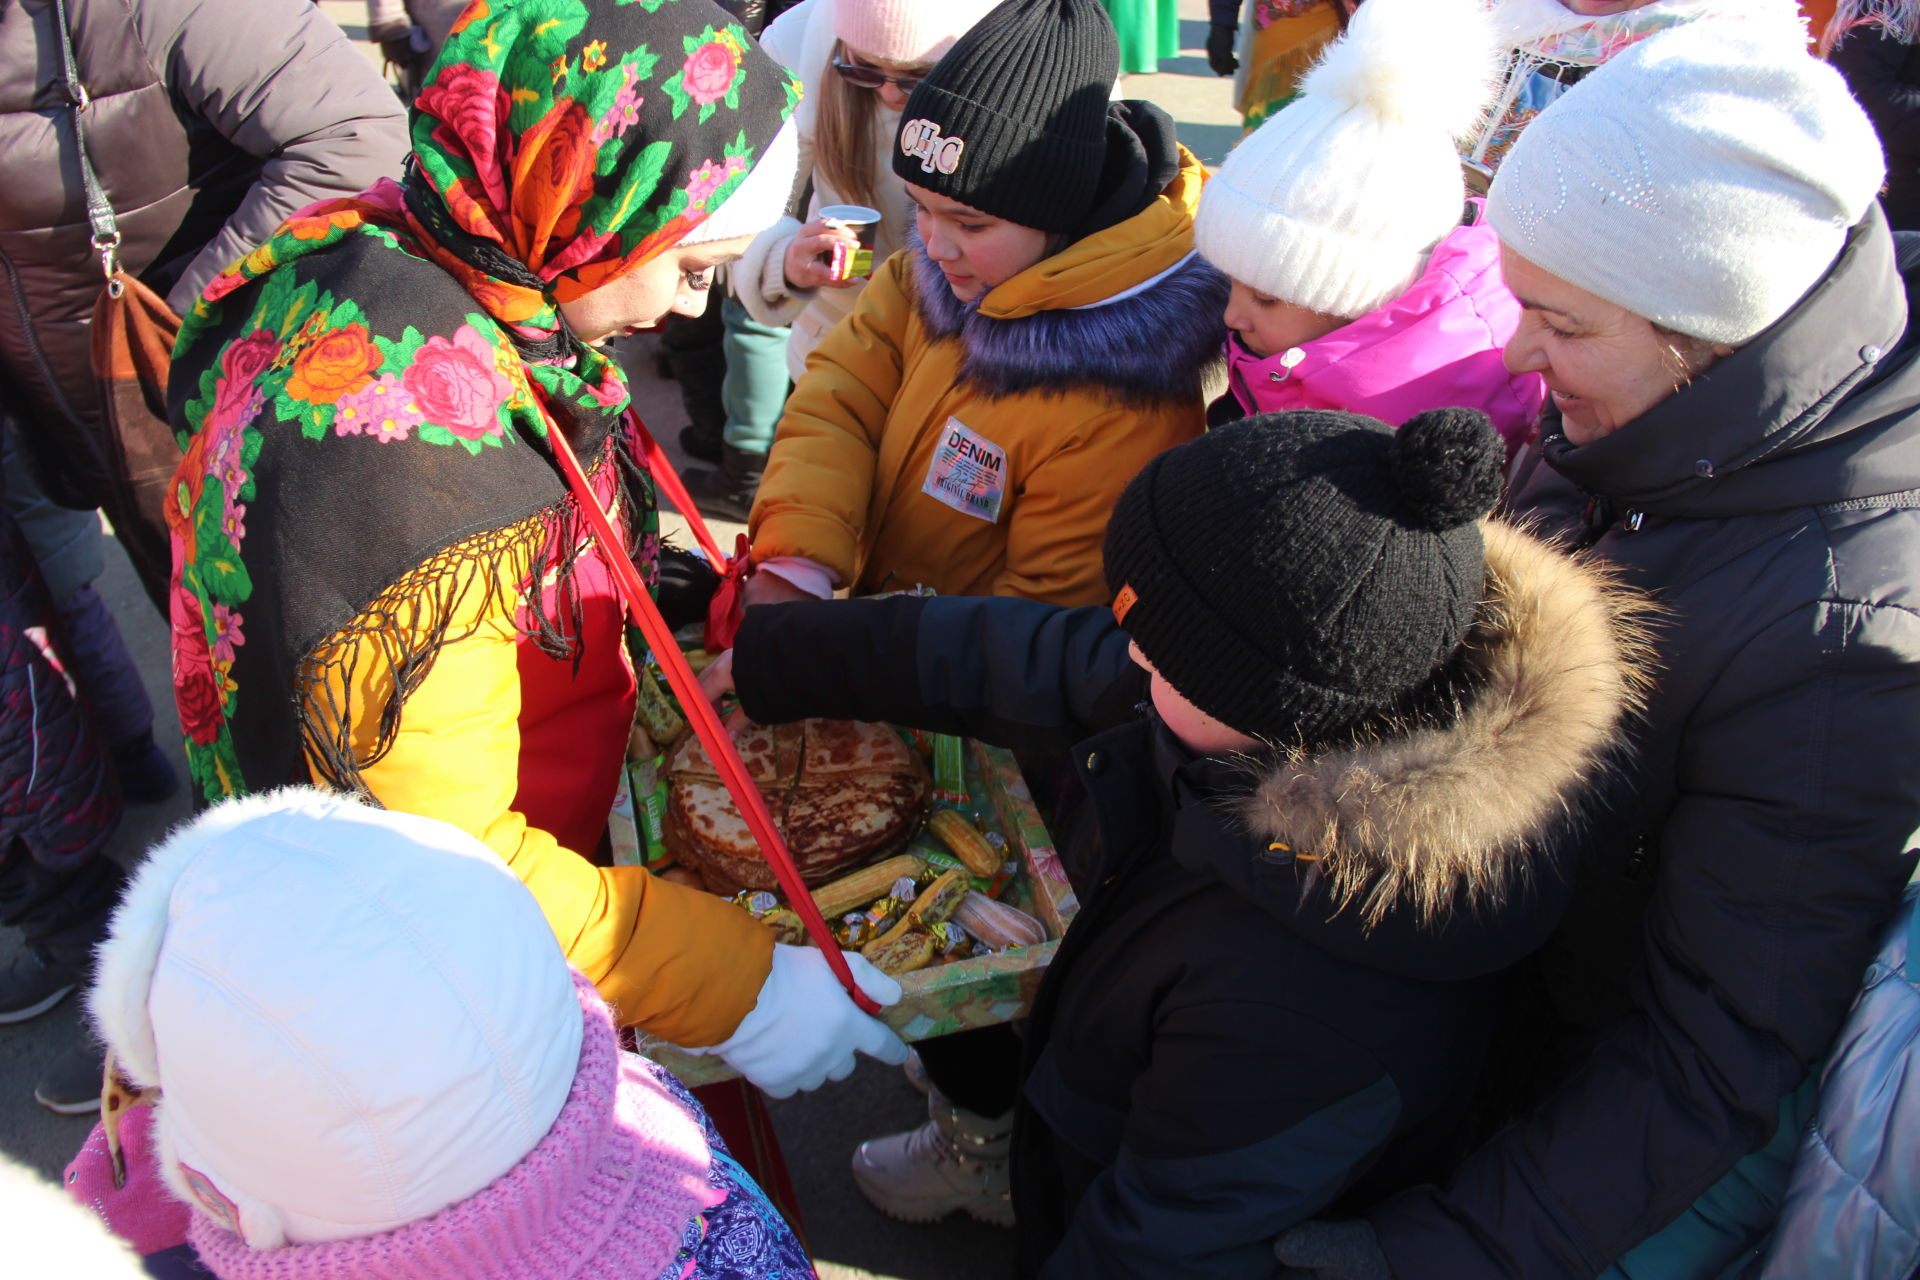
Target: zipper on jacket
x=1601 y=517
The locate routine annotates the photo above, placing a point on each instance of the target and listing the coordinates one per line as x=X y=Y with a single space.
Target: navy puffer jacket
x=58 y=796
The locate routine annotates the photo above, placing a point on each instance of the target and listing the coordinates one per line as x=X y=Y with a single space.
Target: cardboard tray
x=980 y=990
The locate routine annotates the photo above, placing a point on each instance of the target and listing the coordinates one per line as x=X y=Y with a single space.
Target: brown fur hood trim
x=1436 y=817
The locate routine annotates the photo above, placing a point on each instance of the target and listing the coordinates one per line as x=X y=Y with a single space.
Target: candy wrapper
x=953 y=940
x=770 y=911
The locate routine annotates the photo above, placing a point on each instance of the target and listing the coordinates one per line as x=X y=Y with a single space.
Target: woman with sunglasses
x=859 y=59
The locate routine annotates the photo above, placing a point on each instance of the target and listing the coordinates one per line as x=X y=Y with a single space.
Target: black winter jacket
x=1217 y=1051
x=1731 y=898
x=1884 y=74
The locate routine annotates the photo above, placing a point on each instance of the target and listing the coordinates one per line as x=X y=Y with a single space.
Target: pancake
x=843 y=793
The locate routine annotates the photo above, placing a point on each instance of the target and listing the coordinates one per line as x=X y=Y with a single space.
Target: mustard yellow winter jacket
x=978 y=449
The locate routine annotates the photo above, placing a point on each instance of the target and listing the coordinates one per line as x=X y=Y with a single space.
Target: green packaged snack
x=648 y=780
x=657 y=714
x=949 y=774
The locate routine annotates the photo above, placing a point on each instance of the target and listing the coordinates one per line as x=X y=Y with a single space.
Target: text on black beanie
x=1013 y=120
x=1300 y=575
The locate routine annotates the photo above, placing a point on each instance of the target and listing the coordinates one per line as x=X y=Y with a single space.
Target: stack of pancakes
x=843 y=793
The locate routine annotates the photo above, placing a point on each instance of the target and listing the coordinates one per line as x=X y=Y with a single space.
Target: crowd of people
x=1448 y=575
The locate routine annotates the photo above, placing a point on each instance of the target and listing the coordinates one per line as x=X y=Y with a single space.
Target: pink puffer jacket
x=1436 y=345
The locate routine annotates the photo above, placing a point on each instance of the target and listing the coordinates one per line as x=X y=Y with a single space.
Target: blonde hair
x=843 y=134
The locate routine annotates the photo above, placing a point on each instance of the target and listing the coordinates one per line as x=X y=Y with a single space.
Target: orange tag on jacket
x=1124 y=602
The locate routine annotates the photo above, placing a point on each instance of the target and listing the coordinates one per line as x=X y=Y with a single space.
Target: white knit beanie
x=905 y=30
x=1335 y=202
x=1704 y=179
x=357 y=1017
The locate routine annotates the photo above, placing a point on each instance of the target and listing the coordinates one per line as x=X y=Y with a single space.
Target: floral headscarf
x=365 y=399
x=1552 y=47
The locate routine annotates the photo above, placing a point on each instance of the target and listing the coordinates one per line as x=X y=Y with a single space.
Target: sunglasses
x=873 y=77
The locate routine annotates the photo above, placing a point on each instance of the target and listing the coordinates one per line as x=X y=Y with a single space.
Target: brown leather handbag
x=133 y=333
x=133 y=336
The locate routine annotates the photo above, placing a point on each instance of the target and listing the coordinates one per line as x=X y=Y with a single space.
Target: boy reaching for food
x=1324 y=727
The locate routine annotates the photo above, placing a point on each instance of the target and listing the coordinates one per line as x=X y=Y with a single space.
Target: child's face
x=1268 y=326
x=1199 y=732
x=976 y=251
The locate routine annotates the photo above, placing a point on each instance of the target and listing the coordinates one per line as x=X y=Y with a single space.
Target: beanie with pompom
x=1304 y=576
x=1335 y=202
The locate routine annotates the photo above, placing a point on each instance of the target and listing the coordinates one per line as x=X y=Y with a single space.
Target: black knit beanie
x=1013 y=121
x=1299 y=576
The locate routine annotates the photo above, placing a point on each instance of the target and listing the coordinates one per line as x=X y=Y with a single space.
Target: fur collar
x=1153 y=347
x=1438 y=817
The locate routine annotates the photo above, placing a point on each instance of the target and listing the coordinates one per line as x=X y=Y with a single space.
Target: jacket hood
x=1438 y=343
x=1817 y=409
x=1131 y=309
x=1440 y=829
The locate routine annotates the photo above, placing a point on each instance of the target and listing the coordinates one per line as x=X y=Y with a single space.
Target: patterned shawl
x=364 y=400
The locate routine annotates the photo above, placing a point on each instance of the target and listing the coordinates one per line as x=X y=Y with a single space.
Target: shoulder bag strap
x=106 y=231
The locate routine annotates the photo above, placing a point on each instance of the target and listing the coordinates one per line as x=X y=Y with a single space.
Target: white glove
x=804 y=1028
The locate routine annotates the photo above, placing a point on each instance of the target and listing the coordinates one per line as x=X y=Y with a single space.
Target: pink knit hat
x=608 y=1194
x=905 y=30
x=375 y=1063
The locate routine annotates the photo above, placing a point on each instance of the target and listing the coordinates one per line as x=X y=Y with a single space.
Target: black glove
x=1220 y=38
x=1331 y=1251
x=687 y=583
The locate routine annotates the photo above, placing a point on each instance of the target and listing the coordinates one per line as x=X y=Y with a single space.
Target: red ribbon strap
x=729 y=604
x=686 y=687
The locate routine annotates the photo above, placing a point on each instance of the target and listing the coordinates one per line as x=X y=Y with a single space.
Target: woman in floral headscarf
x=1556 y=43
x=380 y=582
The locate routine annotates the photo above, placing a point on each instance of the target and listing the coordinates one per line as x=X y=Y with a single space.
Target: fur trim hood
x=1150 y=343
x=1432 y=819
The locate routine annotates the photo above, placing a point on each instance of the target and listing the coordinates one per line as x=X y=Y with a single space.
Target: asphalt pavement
x=818 y=1131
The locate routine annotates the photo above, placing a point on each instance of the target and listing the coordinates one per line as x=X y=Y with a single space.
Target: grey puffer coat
x=1751 y=857
x=209 y=122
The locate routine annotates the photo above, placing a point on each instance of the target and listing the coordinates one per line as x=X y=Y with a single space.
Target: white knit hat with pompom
x=1335 y=202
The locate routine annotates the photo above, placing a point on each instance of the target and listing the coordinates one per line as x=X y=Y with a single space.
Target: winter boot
x=33 y=983
x=69 y=1084
x=727 y=494
x=146 y=775
x=916 y=1073
x=956 y=1160
x=701 y=442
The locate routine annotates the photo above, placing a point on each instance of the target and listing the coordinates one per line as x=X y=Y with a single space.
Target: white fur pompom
x=1411 y=61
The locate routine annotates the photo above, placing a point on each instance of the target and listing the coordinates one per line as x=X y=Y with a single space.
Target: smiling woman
x=370 y=399
x=1604 y=365
x=1713 y=297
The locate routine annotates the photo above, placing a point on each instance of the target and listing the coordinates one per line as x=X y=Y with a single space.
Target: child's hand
x=809 y=260
x=771 y=588
x=717 y=680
